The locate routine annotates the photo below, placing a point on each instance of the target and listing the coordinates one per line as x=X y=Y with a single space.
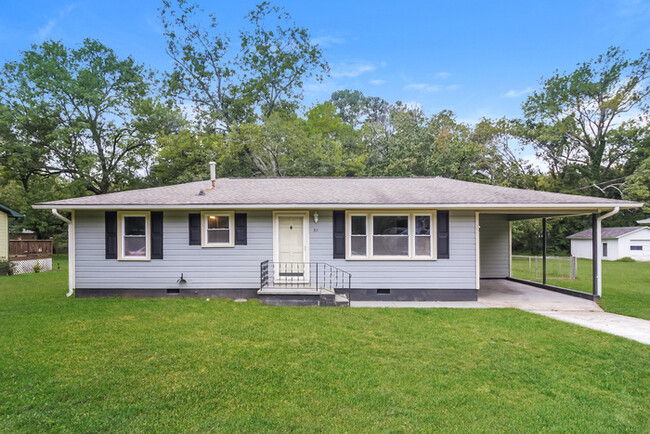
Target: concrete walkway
x=567 y=308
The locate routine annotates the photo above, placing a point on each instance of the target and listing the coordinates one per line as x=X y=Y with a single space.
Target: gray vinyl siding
x=495 y=246
x=215 y=267
x=239 y=266
x=457 y=272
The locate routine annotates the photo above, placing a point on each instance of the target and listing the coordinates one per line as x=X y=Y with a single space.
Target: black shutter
x=195 y=229
x=241 y=226
x=338 y=229
x=110 y=219
x=156 y=235
x=443 y=234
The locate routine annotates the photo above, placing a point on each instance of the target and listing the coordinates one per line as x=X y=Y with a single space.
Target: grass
x=626 y=285
x=194 y=365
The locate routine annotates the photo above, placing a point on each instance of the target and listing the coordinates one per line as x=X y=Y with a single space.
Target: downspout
x=70 y=250
x=598 y=252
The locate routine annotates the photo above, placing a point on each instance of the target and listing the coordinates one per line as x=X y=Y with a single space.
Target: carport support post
x=595 y=257
x=544 y=251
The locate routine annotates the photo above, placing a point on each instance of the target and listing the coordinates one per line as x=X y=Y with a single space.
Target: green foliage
x=625 y=259
x=6 y=267
x=572 y=120
x=82 y=113
x=230 y=84
x=637 y=186
x=37 y=267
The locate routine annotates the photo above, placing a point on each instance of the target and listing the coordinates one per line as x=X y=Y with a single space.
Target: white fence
x=532 y=267
x=31 y=265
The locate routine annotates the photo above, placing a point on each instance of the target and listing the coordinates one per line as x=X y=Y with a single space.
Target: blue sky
x=476 y=58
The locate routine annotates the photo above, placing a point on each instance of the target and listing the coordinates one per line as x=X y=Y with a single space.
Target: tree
x=287 y=145
x=228 y=86
x=572 y=118
x=84 y=113
x=416 y=145
x=637 y=186
x=355 y=108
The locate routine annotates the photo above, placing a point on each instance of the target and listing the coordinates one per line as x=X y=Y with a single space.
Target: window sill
x=134 y=259
x=217 y=245
x=390 y=258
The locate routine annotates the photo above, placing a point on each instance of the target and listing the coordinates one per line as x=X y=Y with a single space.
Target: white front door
x=290 y=248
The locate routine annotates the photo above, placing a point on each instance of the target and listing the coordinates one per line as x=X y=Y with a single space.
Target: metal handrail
x=303 y=275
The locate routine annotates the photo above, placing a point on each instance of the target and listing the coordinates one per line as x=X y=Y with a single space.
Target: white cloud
x=518 y=93
x=45 y=31
x=352 y=69
x=377 y=82
x=443 y=75
x=429 y=87
x=424 y=87
x=328 y=40
x=383 y=64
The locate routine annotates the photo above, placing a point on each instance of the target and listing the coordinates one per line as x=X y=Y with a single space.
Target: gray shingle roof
x=606 y=233
x=257 y=192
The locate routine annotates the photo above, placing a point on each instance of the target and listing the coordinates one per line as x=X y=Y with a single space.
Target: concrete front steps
x=302 y=297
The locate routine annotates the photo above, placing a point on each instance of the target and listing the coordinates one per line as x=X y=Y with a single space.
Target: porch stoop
x=302 y=297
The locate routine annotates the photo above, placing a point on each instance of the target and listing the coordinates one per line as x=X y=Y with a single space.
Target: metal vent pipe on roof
x=213 y=173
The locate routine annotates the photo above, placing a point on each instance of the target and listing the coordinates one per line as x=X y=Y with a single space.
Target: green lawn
x=626 y=285
x=194 y=365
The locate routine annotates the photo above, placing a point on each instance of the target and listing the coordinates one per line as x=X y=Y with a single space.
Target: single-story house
x=5 y=214
x=292 y=239
x=632 y=242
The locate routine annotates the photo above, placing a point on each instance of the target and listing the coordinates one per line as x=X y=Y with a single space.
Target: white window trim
x=369 y=235
x=231 y=228
x=120 y=232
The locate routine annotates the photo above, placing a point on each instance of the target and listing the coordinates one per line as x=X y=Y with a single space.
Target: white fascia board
x=594 y=207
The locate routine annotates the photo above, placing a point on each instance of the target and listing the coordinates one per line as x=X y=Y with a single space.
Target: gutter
x=71 y=250
x=596 y=236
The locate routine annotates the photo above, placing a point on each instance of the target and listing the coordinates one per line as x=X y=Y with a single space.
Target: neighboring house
x=296 y=239
x=644 y=222
x=617 y=243
x=5 y=213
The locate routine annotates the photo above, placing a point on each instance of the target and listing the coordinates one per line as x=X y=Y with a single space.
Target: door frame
x=305 y=240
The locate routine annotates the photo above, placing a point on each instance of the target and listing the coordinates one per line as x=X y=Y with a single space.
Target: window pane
x=135 y=225
x=218 y=222
x=218 y=236
x=358 y=225
x=390 y=225
x=423 y=246
x=135 y=246
x=390 y=245
x=422 y=225
x=358 y=245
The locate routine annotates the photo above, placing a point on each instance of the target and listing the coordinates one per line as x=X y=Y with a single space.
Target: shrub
x=625 y=259
x=37 y=267
x=6 y=267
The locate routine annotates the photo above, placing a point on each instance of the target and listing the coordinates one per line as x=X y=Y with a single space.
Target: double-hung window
x=134 y=236
x=384 y=235
x=217 y=229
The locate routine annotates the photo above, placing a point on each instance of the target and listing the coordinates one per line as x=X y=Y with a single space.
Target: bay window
x=388 y=235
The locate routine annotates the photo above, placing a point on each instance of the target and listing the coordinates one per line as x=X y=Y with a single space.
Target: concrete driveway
x=567 y=308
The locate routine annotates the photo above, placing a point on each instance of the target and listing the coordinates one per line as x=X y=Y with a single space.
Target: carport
x=495 y=247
